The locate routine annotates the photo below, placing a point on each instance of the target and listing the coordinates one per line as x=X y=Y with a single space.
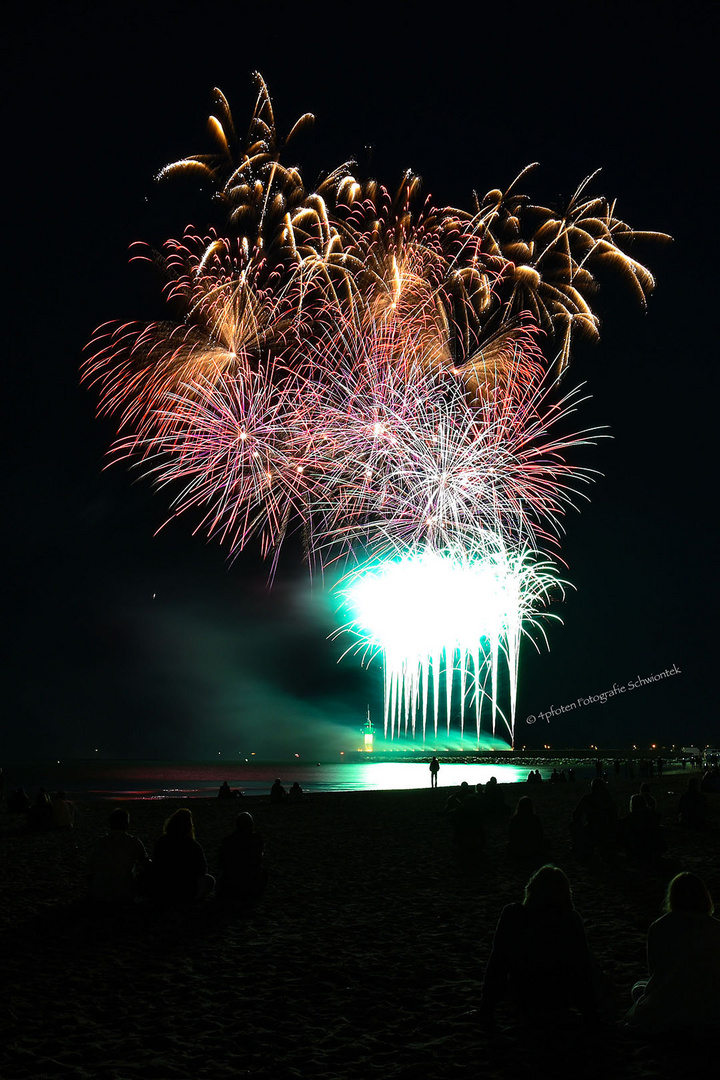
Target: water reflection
x=394 y=776
x=158 y=780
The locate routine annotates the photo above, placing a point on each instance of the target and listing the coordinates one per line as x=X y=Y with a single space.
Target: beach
x=365 y=956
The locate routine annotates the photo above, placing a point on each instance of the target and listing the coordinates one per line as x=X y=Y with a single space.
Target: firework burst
x=384 y=374
x=452 y=617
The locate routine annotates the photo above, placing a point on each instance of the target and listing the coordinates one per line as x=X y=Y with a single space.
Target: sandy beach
x=364 y=958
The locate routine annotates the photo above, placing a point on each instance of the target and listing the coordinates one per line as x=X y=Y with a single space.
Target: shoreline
x=129 y=780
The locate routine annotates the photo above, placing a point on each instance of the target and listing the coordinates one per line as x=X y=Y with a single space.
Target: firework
x=405 y=458
x=451 y=616
x=382 y=373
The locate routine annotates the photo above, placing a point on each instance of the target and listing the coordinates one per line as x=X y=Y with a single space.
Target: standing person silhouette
x=434 y=770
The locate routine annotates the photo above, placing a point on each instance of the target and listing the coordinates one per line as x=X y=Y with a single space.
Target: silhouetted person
x=278 y=793
x=456 y=798
x=295 y=793
x=116 y=862
x=640 y=832
x=434 y=770
x=648 y=796
x=692 y=806
x=40 y=814
x=63 y=811
x=179 y=868
x=225 y=791
x=540 y=955
x=18 y=801
x=494 y=800
x=468 y=821
x=682 y=993
x=242 y=877
x=525 y=833
x=711 y=779
x=594 y=820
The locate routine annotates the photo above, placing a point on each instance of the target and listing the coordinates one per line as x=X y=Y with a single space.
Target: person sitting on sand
x=295 y=793
x=594 y=820
x=40 y=814
x=682 y=992
x=117 y=861
x=456 y=798
x=711 y=779
x=225 y=791
x=242 y=877
x=648 y=796
x=18 y=801
x=468 y=824
x=179 y=868
x=525 y=833
x=692 y=806
x=63 y=811
x=278 y=793
x=494 y=800
x=540 y=954
x=640 y=833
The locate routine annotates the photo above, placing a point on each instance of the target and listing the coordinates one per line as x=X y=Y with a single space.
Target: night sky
x=136 y=643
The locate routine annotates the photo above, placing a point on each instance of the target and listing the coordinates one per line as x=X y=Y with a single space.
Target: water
x=118 y=780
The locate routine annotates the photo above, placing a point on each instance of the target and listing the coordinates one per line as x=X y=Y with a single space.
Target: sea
x=117 y=780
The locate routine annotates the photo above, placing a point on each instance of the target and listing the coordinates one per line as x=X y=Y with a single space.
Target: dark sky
x=141 y=645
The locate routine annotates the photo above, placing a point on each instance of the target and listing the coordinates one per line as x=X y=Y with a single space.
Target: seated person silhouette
x=117 y=860
x=63 y=811
x=640 y=833
x=242 y=877
x=594 y=820
x=526 y=841
x=682 y=993
x=468 y=821
x=494 y=800
x=692 y=806
x=278 y=793
x=540 y=956
x=40 y=814
x=179 y=868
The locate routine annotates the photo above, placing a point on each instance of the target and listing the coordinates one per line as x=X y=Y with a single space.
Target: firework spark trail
x=367 y=367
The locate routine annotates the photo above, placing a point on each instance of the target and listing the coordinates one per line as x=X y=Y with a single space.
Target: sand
x=365 y=957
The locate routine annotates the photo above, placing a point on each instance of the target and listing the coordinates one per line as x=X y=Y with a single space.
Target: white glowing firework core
x=428 y=602
x=434 y=613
